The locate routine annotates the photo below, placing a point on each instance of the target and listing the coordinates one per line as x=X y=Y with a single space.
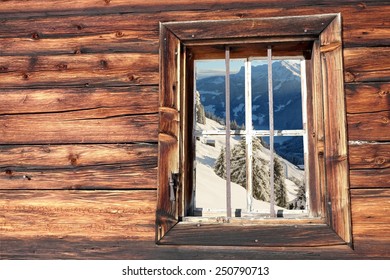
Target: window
x=317 y=41
x=266 y=170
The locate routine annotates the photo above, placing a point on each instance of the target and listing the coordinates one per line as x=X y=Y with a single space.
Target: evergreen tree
x=200 y=113
x=220 y=164
x=279 y=184
x=300 y=201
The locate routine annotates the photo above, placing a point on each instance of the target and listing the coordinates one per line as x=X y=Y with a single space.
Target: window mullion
x=227 y=104
x=248 y=134
x=271 y=128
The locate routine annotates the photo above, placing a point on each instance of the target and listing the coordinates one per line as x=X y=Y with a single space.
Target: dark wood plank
x=371 y=222
x=369 y=126
x=116 y=41
x=336 y=150
x=251 y=28
x=127 y=166
x=120 y=249
x=78 y=69
x=16 y=8
x=96 y=214
x=86 y=126
x=367 y=64
x=258 y=236
x=367 y=98
x=370 y=178
x=130 y=100
x=168 y=137
x=366 y=156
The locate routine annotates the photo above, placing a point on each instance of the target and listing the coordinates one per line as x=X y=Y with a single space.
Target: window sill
x=299 y=235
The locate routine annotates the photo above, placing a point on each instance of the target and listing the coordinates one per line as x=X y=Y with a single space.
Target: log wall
x=79 y=125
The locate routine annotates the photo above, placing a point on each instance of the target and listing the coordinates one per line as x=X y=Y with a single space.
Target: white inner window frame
x=249 y=132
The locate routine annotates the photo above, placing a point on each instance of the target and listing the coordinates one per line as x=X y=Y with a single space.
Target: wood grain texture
x=258 y=236
x=371 y=221
x=168 y=137
x=367 y=98
x=88 y=126
x=119 y=249
x=370 y=178
x=367 y=64
x=366 y=156
x=129 y=100
x=78 y=69
x=96 y=214
x=42 y=7
x=336 y=150
x=126 y=166
x=369 y=126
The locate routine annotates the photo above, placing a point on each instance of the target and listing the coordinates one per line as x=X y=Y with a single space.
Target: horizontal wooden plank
x=258 y=236
x=371 y=222
x=367 y=98
x=366 y=156
x=120 y=249
x=138 y=31
x=129 y=100
x=126 y=166
x=370 y=178
x=92 y=214
x=367 y=64
x=117 y=41
x=369 y=126
x=107 y=6
x=78 y=69
x=87 y=126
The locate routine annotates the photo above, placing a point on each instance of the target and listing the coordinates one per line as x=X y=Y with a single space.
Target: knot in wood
x=107 y=1
x=8 y=172
x=79 y=26
x=35 y=36
x=134 y=78
x=77 y=51
x=380 y=160
x=349 y=77
x=119 y=34
x=383 y=93
x=25 y=76
x=73 y=159
x=103 y=64
x=385 y=120
x=3 y=68
x=62 y=66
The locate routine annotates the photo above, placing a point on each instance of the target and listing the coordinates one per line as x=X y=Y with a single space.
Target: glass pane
x=210 y=94
x=259 y=80
x=286 y=78
x=289 y=173
x=209 y=173
x=237 y=94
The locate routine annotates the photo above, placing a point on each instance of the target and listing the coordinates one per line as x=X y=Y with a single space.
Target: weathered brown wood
x=316 y=135
x=370 y=178
x=371 y=222
x=120 y=249
x=16 y=8
x=233 y=29
x=82 y=69
x=82 y=32
x=366 y=156
x=337 y=181
x=367 y=98
x=85 y=126
x=168 y=137
x=96 y=214
x=130 y=100
x=118 y=41
x=369 y=126
x=367 y=64
x=258 y=236
x=127 y=166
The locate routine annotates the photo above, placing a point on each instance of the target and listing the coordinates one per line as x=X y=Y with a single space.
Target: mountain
x=287 y=101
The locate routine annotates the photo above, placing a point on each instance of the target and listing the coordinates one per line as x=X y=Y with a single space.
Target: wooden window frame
x=317 y=37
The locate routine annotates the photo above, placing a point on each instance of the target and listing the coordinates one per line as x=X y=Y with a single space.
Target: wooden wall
x=79 y=123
